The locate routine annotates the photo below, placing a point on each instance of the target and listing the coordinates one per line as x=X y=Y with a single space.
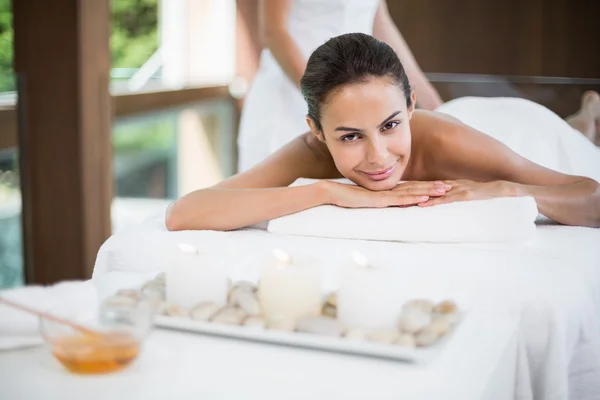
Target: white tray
x=312 y=341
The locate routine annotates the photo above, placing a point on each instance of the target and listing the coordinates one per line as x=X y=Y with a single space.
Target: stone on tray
x=255 y=322
x=332 y=299
x=386 y=336
x=248 y=302
x=423 y=305
x=413 y=320
x=286 y=325
x=244 y=286
x=406 y=340
x=329 y=308
x=204 y=311
x=230 y=315
x=355 y=334
x=446 y=307
x=451 y=318
x=243 y=295
x=329 y=311
x=320 y=325
x=440 y=324
x=175 y=310
x=426 y=337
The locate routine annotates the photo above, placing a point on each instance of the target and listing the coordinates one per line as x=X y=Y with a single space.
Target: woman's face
x=366 y=128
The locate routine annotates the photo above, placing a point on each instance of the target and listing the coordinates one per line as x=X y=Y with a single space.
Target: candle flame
x=282 y=256
x=360 y=259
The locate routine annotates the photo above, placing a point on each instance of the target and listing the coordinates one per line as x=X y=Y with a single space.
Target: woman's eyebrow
x=388 y=118
x=348 y=129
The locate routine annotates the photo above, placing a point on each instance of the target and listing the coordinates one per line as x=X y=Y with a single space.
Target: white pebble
x=384 y=336
x=413 y=321
x=406 y=340
x=204 y=311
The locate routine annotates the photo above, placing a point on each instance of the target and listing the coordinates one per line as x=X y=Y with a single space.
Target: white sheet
x=509 y=219
x=531 y=130
x=551 y=282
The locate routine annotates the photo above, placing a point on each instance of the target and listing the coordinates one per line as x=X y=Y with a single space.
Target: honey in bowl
x=95 y=354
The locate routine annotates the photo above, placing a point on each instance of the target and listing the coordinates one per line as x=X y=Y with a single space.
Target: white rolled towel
x=500 y=220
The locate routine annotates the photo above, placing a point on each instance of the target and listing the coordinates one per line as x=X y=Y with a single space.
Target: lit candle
x=367 y=298
x=194 y=278
x=289 y=288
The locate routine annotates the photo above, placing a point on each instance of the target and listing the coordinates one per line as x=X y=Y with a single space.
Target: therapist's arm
x=384 y=29
x=275 y=36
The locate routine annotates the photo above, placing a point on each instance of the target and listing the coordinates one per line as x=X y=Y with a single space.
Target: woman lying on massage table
x=364 y=127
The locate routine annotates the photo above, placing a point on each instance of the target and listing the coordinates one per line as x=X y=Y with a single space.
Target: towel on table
x=498 y=220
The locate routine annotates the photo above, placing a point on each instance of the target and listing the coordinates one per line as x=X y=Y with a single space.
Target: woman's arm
x=494 y=170
x=385 y=30
x=258 y=194
x=273 y=29
x=262 y=193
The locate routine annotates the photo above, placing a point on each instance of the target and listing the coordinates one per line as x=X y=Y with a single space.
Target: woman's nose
x=377 y=151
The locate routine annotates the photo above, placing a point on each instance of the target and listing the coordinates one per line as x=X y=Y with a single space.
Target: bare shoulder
x=446 y=148
x=436 y=138
x=303 y=157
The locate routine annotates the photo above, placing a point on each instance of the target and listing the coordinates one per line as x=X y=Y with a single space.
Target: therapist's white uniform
x=274 y=109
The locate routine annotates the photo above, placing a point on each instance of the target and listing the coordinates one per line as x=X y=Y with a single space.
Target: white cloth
x=551 y=283
x=274 y=110
x=531 y=130
x=495 y=220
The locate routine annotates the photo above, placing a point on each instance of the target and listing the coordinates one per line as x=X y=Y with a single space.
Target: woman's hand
x=463 y=190
x=405 y=194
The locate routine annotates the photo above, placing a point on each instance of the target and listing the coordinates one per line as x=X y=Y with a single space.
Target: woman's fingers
x=442 y=200
x=421 y=184
x=422 y=188
x=409 y=200
x=384 y=199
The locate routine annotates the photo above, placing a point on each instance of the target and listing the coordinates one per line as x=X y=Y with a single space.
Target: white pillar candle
x=289 y=288
x=367 y=298
x=195 y=277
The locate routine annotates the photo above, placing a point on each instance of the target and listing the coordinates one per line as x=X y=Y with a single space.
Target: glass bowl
x=116 y=341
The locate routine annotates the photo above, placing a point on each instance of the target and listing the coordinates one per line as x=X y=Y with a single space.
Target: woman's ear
x=413 y=102
x=314 y=130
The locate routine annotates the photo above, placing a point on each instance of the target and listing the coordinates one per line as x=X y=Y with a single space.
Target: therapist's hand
x=464 y=190
x=405 y=194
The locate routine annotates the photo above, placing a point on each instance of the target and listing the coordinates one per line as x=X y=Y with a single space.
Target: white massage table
x=551 y=285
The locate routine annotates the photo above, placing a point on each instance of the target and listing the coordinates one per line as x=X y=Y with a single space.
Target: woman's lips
x=381 y=175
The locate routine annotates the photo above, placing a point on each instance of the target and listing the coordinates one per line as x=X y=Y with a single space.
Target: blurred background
x=110 y=110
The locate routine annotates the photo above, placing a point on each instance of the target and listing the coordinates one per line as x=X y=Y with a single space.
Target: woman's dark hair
x=346 y=59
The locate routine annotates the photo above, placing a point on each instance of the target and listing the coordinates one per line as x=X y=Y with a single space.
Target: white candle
x=289 y=288
x=195 y=277
x=367 y=298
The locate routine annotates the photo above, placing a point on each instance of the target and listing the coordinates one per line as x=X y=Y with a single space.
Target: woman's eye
x=390 y=125
x=349 y=138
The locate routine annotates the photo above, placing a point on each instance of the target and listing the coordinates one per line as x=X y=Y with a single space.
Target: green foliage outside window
x=134 y=36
